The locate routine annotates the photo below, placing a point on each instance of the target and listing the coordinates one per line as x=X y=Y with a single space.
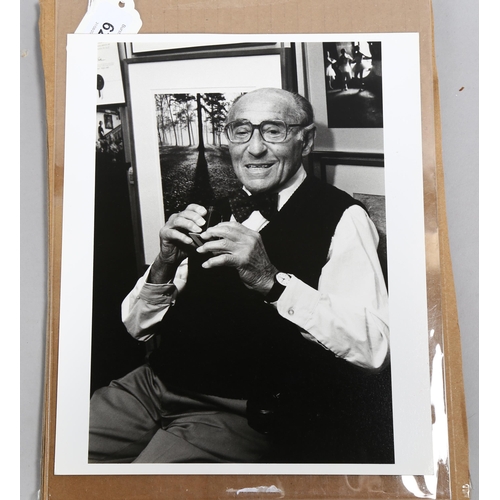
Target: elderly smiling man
x=260 y=315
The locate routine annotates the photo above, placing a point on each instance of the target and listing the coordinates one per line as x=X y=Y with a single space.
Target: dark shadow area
x=353 y=426
x=114 y=351
x=354 y=108
x=201 y=192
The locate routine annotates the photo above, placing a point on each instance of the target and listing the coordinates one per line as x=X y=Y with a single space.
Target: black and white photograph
x=245 y=297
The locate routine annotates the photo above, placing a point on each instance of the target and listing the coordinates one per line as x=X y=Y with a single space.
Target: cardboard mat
x=61 y=17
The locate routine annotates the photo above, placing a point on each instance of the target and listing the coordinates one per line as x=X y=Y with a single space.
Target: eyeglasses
x=274 y=131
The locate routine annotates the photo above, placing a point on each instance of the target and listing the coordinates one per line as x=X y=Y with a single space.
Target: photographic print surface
x=353 y=82
x=172 y=150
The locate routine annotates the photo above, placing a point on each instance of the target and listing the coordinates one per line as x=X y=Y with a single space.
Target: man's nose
x=257 y=146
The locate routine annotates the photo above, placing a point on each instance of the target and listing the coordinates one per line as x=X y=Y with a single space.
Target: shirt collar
x=290 y=186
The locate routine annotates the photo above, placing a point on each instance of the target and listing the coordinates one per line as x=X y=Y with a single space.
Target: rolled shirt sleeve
x=147 y=304
x=348 y=314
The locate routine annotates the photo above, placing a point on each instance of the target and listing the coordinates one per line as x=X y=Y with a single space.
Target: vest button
x=290 y=311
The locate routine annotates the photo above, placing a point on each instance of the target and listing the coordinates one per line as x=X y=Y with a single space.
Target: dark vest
x=221 y=338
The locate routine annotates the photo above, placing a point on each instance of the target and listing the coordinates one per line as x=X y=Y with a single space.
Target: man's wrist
x=281 y=281
x=161 y=272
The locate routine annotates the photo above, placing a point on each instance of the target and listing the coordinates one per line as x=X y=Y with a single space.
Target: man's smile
x=259 y=165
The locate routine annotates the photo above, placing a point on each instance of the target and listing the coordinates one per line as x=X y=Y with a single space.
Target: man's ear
x=308 y=135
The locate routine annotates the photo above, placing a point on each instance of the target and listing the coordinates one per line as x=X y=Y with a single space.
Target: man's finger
x=221 y=245
x=222 y=260
x=229 y=230
x=192 y=215
x=173 y=235
x=194 y=207
x=188 y=221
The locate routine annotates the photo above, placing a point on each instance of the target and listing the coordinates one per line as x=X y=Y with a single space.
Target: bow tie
x=242 y=204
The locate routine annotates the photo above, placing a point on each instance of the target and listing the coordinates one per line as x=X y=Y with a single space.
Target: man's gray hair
x=305 y=107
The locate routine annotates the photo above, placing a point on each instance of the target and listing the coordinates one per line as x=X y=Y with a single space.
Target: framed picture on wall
x=353 y=84
x=345 y=86
x=108 y=121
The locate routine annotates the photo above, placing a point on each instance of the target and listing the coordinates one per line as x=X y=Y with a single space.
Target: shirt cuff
x=164 y=293
x=298 y=302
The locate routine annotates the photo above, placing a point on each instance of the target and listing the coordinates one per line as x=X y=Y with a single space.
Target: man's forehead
x=265 y=102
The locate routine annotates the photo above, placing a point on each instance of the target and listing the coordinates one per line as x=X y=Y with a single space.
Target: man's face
x=259 y=165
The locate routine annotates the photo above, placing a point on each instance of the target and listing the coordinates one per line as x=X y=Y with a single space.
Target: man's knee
x=121 y=423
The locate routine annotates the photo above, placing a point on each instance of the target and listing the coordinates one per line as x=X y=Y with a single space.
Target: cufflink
x=281 y=281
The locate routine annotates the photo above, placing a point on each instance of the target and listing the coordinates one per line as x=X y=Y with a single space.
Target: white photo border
x=406 y=253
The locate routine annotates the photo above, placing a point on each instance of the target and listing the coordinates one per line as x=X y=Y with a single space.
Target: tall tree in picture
x=186 y=115
x=201 y=191
x=216 y=108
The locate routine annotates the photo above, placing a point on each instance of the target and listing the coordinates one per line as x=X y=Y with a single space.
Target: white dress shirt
x=347 y=314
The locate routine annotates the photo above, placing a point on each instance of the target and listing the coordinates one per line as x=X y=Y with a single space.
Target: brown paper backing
x=60 y=17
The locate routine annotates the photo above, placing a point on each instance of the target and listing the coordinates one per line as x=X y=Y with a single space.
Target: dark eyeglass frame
x=260 y=128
